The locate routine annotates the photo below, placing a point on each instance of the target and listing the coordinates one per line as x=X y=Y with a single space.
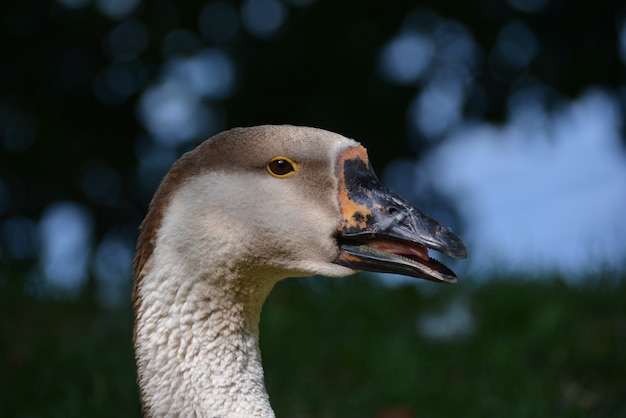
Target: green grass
x=64 y=359
x=350 y=348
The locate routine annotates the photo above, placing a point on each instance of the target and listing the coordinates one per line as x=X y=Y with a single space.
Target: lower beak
x=381 y=231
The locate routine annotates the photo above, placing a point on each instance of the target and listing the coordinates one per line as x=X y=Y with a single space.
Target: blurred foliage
x=321 y=69
x=350 y=348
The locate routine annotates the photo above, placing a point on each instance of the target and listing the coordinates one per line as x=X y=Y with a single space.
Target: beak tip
x=451 y=245
x=454 y=245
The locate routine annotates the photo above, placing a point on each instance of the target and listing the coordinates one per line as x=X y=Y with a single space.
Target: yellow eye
x=281 y=167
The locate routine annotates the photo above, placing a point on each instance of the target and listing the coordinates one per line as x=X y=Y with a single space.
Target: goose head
x=291 y=200
x=245 y=209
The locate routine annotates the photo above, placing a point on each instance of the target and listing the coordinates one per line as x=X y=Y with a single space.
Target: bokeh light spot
x=119 y=81
x=128 y=39
x=438 y=106
x=622 y=41
x=174 y=115
x=528 y=6
x=406 y=58
x=209 y=74
x=263 y=18
x=66 y=241
x=112 y=266
x=117 y=9
x=73 y=4
x=515 y=48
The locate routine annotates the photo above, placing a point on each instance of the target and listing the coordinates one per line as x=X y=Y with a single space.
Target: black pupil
x=281 y=167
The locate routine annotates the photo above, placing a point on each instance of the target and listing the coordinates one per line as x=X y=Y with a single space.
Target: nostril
x=392 y=210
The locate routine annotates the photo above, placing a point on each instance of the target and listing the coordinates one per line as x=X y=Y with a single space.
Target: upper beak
x=381 y=231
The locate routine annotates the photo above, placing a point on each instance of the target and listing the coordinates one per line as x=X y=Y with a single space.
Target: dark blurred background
x=503 y=119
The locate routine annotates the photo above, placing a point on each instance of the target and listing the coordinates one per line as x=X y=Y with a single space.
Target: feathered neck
x=196 y=343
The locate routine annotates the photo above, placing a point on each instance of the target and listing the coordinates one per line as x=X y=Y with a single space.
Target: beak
x=381 y=231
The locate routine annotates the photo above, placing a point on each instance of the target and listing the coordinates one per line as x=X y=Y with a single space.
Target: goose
x=242 y=211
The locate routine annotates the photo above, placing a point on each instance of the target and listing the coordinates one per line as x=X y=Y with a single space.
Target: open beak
x=381 y=231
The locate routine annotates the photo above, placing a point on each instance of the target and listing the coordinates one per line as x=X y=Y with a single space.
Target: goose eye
x=281 y=167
